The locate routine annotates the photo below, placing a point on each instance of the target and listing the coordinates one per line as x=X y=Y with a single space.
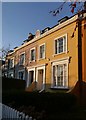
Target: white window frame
x=11 y=73
x=56 y=39
x=39 y=51
x=30 y=54
x=24 y=58
x=34 y=77
x=60 y=62
x=23 y=70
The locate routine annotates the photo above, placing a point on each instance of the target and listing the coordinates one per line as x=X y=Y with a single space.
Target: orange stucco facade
x=41 y=70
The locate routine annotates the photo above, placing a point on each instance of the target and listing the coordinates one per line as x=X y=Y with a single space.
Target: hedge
x=11 y=84
x=50 y=102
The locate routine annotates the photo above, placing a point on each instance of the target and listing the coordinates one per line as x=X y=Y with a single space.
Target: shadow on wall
x=80 y=92
x=18 y=68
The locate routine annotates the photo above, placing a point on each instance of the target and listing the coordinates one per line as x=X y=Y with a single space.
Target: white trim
x=13 y=61
x=56 y=28
x=28 y=82
x=69 y=21
x=41 y=68
x=62 y=59
x=60 y=62
x=36 y=66
x=34 y=48
x=66 y=42
x=39 y=51
x=11 y=72
x=56 y=39
x=35 y=69
x=21 y=53
x=60 y=36
x=32 y=69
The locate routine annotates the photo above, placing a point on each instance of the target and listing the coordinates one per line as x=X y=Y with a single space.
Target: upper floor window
x=11 y=63
x=61 y=44
x=32 y=54
x=42 y=51
x=22 y=59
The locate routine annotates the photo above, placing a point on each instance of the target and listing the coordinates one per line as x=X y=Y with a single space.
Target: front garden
x=45 y=106
x=42 y=106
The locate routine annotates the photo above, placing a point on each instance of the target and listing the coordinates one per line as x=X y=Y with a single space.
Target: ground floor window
x=11 y=75
x=21 y=75
x=60 y=75
x=4 y=74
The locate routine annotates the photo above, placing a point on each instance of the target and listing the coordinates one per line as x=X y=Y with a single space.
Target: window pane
x=54 y=76
x=11 y=63
x=22 y=59
x=42 y=51
x=60 y=45
x=64 y=43
x=21 y=75
x=60 y=75
x=56 y=47
x=32 y=54
x=65 y=75
x=60 y=48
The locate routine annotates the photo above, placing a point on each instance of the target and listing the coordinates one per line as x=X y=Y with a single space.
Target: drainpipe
x=80 y=55
x=80 y=79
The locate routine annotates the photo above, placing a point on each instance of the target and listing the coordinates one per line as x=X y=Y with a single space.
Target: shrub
x=11 y=84
x=49 y=102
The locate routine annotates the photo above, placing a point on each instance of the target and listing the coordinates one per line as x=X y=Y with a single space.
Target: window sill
x=11 y=67
x=41 y=58
x=32 y=61
x=21 y=64
x=60 y=88
x=60 y=53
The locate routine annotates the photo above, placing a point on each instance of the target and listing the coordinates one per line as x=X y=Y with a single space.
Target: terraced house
x=53 y=58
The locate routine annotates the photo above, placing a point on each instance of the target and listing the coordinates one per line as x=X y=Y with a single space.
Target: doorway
x=40 y=79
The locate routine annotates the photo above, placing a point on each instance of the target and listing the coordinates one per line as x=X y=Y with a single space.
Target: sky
x=21 y=18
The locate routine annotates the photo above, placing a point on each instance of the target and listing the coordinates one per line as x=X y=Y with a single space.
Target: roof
x=61 y=23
